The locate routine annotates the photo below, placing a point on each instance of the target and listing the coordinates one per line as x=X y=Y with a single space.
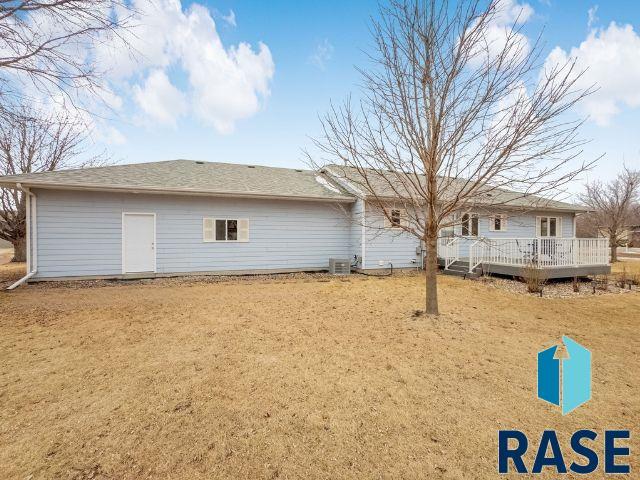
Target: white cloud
x=223 y=84
x=108 y=134
x=159 y=99
x=322 y=54
x=509 y=14
x=592 y=16
x=610 y=59
x=231 y=18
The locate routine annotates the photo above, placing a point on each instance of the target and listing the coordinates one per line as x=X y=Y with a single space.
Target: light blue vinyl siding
x=356 y=229
x=399 y=248
x=80 y=233
x=388 y=245
x=518 y=226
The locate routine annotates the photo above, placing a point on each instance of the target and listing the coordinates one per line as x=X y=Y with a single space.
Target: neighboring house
x=189 y=217
x=5 y=244
x=628 y=236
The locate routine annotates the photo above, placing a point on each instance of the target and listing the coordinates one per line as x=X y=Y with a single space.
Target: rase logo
x=564 y=379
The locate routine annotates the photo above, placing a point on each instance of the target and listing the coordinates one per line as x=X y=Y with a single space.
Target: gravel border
x=558 y=288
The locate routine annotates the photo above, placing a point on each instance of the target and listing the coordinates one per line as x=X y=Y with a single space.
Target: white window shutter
x=243 y=230
x=559 y=227
x=208 y=230
x=538 y=222
x=492 y=223
x=503 y=223
x=387 y=222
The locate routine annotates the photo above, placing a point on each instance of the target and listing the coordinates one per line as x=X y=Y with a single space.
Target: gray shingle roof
x=188 y=176
x=487 y=196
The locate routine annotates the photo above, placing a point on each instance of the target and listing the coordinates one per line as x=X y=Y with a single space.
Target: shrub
x=534 y=277
x=623 y=278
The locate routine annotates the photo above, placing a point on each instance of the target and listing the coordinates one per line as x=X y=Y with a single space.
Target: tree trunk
x=614 y=250
x=431 y=281
x=19 y=250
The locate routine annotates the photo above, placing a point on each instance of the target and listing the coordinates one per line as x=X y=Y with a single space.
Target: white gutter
x=170 y=191
x=31 y=237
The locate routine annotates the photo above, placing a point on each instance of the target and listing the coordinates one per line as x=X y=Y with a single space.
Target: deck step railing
x=476 y=255
x=449 y=250
x=541 y=252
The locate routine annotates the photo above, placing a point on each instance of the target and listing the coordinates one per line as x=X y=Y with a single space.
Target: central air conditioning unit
x=339 y=266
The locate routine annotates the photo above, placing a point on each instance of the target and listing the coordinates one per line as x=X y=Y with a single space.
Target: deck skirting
x=550 y=272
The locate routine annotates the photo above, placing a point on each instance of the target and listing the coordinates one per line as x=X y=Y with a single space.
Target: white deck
x=545 y=253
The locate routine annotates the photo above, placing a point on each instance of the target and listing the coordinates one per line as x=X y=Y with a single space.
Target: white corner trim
x=364 y=234
x=31 y=234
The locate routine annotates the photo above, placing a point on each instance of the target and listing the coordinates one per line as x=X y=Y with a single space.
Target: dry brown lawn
x=295 y=378
x=631 y=266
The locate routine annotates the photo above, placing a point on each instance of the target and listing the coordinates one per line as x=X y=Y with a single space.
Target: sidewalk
x=629 y=253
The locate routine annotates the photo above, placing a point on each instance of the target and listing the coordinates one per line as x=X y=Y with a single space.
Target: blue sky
x=307 y=59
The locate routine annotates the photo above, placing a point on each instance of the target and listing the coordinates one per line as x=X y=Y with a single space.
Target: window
x=225 y=230
x=449 y=230
x=498 y=223
x=470 y=225
x=549 y=227
x=395 y=218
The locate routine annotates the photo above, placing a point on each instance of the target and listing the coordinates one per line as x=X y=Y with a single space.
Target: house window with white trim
x=449 y=230
x=225 y=230
x=470 y=225
x=549 y=226
x=394 y=218
x=498 y=223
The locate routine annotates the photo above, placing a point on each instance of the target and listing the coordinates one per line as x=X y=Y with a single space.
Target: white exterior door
x=138 y=242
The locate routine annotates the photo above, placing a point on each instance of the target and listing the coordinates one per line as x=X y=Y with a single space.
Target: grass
x=294 y=378
x=631 y=266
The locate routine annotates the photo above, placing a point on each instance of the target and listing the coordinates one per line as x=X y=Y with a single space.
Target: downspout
x=31 y=237
x=364 y=234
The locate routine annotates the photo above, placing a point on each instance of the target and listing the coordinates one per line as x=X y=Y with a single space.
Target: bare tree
x=613 y=205
x=50 y=43
x=31 y=142
x=455 y=113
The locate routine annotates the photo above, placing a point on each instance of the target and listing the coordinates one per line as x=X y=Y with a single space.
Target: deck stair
x=460 y=268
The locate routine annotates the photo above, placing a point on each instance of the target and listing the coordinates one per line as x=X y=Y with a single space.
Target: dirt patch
x=294 y=378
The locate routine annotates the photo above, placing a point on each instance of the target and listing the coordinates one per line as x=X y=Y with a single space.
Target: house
x=629 y=235
x=191 y=217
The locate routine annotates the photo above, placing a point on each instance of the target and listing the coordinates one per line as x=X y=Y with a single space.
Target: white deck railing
x=540 y=252
x=449 y=249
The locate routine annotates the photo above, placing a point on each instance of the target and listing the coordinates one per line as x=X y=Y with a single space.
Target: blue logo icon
x=564 y=378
